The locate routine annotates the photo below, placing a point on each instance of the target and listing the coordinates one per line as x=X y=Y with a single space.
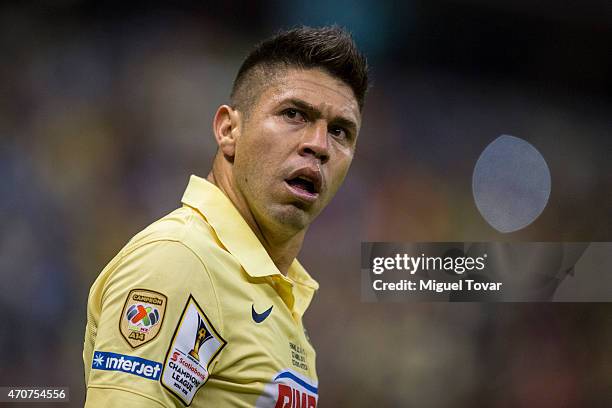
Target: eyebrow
x=316 y=113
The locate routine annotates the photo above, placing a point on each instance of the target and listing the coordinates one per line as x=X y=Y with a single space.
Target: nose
x=315 y=142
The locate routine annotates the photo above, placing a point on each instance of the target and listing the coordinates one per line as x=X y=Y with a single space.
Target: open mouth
x=302 y=183
x=304 y=186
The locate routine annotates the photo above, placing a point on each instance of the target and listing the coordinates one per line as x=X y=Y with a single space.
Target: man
x=204 y=307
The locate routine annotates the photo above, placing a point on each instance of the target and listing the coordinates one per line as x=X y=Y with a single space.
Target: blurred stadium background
x=106 y=110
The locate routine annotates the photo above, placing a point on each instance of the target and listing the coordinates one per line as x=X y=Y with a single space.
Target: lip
x=302 y=194
x=314 y=176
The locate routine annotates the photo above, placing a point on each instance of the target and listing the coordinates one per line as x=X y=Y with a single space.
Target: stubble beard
x=286 y=219
x=271 y=213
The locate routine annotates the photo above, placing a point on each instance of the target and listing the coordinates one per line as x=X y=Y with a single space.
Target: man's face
x=295 y=148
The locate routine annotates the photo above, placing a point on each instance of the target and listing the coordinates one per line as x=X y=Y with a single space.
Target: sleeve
x=159 y=329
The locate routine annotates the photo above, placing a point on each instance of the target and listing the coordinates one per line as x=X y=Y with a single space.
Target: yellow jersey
x=193 y=312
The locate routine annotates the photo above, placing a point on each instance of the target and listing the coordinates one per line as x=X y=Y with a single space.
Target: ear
x=226 y=127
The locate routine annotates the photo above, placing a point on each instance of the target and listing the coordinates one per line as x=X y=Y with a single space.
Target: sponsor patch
x=194 y=345
x=142 y=316
x=289 y=389
x=103 y=360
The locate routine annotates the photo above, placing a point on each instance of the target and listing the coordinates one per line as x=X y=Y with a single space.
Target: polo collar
x=236 y=235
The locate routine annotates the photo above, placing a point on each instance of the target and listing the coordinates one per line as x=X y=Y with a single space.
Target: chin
x=292 y=216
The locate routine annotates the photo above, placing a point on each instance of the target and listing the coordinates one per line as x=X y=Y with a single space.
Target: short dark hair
x=329 y=48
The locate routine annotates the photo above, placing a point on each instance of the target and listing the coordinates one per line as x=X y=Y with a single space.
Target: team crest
x=142 y=316
x=194 y=345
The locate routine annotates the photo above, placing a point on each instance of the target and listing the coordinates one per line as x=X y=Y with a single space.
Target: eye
x=294 y=115
x=339 y=132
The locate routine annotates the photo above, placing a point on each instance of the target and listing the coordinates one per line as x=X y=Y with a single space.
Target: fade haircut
x=329 y=48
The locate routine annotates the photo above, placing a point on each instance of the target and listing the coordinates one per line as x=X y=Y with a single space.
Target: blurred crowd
x=105 y=113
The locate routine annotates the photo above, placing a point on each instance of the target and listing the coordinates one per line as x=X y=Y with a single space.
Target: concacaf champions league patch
x=194 y=345
x=142 y=316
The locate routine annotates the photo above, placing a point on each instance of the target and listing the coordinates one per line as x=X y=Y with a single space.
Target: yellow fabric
x=203 y=251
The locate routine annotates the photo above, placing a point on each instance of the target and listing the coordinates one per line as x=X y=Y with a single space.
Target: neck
x=282 y=248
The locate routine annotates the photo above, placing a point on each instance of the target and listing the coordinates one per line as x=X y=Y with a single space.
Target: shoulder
x=171 y=253
x=184 y=229
x=178 y=226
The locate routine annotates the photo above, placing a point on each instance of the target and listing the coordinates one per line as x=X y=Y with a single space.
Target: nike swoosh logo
x=260 y=317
